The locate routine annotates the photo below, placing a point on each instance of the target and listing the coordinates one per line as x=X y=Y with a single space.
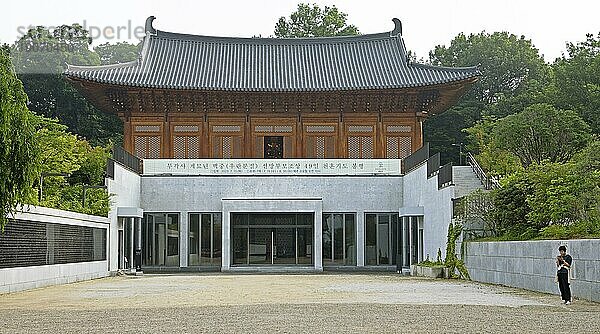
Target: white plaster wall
x=125 y=192
x=22 y=278
x=421 y=192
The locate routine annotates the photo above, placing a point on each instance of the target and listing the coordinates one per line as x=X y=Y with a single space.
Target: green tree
x=65 y=153
x=542 y=132
x=312 y=21
x=511 y=68
x=511 y=208
x=18 y=145
x=120 y=52
x=40 y=57
x=507 y=63
x=495 y=161
x=578 y=80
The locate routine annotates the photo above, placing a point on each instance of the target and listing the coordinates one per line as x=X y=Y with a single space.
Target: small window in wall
x=381 y=242
x=273 y=147
x=339 y=239
x=204 y=239
x=160 y=239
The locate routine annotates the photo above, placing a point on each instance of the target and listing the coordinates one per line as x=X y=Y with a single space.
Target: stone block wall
x=531 y=265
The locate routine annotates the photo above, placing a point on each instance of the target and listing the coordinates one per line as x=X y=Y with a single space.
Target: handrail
x=488 y=182
x=127 y=159
x=445 y=176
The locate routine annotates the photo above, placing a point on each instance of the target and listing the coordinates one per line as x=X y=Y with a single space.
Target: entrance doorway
x=272 y=239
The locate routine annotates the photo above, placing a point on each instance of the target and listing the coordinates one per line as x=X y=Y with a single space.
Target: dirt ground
x=307 y=303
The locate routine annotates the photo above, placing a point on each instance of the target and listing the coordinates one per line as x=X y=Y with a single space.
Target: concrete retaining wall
x=23 y=278
x=531 y=265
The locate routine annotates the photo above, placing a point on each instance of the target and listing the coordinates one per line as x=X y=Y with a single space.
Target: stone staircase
x=465 y=181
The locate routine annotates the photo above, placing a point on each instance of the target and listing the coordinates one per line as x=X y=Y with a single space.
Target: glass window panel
x=240 y=246
x=259 y=246
x=338 y=239
x=205 y=239
x=371 y=240
x=414 y=229
x=239 y=219
x=285 y=246
x=216 y=239
x=383 y=251
x=128 y=245
x=405 y=242
x=305 y=238
x=305 y=220
x=194 y=237
x=327 y=237
x=394 y=236
x=350 y=240
x=160 y=239
x=172 y=240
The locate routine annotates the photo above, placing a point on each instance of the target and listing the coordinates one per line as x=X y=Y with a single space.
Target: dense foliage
x=40 y=57
x=18 y=146
x=312 y=21
x=510 y=67
x=65 y=153
x=35 y=149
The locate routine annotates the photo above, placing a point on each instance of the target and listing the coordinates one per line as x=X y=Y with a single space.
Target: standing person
x=563 y=263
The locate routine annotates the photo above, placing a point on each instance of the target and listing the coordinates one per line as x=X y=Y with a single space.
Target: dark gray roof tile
x=181 y=61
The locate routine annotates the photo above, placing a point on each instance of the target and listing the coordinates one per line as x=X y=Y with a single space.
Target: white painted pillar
x=183 y=239
x=318 y=241
x=226 y=241
x=360 y=238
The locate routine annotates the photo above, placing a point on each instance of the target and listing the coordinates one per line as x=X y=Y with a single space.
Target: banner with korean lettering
x=272 y=167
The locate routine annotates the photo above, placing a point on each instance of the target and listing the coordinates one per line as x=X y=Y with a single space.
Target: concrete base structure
x=22 y=278
x=385 y=222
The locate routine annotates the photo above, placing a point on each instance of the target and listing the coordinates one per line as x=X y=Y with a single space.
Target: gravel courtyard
x=325 y=303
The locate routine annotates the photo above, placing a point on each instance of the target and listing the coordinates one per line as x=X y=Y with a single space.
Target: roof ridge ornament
x=149 y=28
x=397 y=27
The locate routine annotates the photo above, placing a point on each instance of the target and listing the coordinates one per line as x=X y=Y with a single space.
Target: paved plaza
x=308 y=303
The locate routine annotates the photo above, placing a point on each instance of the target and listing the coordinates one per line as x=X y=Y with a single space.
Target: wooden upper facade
x=193 y=96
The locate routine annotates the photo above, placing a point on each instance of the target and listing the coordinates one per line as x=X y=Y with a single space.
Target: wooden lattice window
x=186 y=142
x=147 y=141
x=320 y=147
x=227 y=141
x=361 y=141
x=360 y=147
x=398 y=141
x=320 y=141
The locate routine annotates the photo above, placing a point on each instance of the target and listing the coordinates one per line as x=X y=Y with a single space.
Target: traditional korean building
x=262 y=152
x=190 y=96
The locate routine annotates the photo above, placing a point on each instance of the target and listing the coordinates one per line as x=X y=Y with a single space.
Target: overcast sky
x=549 y=24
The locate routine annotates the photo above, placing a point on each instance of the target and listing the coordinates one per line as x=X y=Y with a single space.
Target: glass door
x=260 y=245
x=272 y=239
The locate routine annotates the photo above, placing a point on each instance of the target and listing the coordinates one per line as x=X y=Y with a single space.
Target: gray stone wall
x=205 y=194
x=531 y=265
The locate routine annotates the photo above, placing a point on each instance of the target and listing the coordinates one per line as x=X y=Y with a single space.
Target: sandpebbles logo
x=106 y=33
